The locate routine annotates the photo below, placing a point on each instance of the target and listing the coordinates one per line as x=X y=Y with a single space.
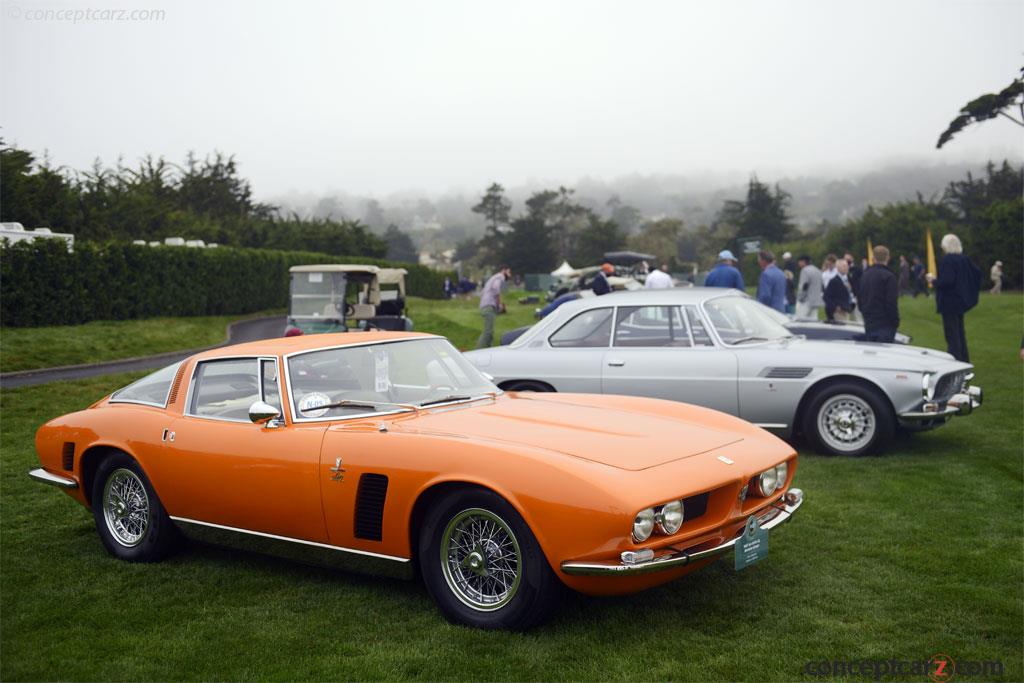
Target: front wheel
x=848 y=419
x=130 y=520
x=482 y=565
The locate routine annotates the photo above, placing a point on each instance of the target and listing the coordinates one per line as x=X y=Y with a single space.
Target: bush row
x=41 y=283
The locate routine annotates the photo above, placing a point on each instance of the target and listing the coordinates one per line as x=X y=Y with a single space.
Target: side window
x=150 y=390
x=268 y=378
x=700 y=333
x=591 y=329
x=224 y=389
x=651 y=326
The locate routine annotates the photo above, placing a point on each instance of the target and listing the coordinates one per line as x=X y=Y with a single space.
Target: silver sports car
x=718 y=348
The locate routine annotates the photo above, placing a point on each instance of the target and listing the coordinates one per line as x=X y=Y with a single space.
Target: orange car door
x=222 y=469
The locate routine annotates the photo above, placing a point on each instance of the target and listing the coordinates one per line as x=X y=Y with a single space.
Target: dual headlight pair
x=666 y=518
x=771 y=480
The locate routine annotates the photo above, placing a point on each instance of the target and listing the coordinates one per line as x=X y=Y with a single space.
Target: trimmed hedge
x=41 y=283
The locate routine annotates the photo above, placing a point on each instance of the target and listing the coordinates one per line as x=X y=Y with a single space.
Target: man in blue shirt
x=771 y=289
x=725 y=274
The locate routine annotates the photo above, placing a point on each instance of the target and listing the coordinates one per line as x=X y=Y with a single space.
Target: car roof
x=308 y=342
x=672 y=296
x=334 y=268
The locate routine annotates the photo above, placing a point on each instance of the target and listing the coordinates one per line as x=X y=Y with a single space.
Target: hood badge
x=726 y=460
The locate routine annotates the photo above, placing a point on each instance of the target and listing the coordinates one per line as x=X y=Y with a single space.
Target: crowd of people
x=845 y=290
x=868 y=294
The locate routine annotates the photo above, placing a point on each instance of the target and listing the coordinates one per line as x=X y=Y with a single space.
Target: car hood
x=625 y=439
x=868 y=354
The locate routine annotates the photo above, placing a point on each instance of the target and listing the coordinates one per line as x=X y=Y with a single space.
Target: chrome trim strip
x=44 y=477
x=771 y=425
x=275 y=537
x=773 y=517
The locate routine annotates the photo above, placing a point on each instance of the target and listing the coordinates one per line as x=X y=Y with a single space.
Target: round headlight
x=781 y=472
x=671 y=517
x=766 y=482
x=643 y=525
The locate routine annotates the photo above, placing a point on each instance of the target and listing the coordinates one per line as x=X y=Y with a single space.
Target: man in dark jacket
x=879 y=291
x=956 y=292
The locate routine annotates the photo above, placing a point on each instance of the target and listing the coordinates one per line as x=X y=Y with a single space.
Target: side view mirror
x=262 y=413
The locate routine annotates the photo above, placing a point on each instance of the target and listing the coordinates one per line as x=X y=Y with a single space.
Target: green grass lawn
x=28 y=348
x=905 y=555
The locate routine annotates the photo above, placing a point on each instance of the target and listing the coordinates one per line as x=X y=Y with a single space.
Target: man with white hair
x=996 y=273
x=956 y=292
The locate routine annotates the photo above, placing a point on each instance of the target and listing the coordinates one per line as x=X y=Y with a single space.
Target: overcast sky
x=382 y=96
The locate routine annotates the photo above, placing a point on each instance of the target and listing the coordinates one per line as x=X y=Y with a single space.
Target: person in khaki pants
x=490 y=304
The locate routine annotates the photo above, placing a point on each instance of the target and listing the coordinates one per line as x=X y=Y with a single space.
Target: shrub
x=41 y=283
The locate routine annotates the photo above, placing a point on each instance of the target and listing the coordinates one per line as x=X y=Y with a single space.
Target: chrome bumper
x=963 y=403
x=45 y=477
x=769 y=519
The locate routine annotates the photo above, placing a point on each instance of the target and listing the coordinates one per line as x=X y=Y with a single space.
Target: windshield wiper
x=750 y=339
x=453 y=397
x=358 y=404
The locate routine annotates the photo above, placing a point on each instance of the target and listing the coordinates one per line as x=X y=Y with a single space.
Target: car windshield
x=336 y=383
x=741 y=321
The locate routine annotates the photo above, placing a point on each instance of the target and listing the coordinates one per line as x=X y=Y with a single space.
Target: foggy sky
x=384 y=96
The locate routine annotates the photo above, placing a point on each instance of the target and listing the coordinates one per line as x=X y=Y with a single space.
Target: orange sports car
x=390 y=449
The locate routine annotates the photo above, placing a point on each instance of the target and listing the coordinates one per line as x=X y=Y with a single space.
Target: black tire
x=527 y=385
x=535 y=591
x=156 y=535
x=865 y=410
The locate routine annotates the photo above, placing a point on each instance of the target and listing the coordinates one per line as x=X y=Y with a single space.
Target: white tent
x=563 y=270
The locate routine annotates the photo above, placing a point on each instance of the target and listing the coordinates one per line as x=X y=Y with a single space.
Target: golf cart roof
x=335 y=268
x=391 y=276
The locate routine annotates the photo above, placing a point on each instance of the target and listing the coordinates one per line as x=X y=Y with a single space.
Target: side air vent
x=786 y=373
x=67 y=456
x=373 y=489
x=695 y=506
x=173 y=396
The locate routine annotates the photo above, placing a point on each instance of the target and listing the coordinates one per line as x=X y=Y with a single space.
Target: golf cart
x=343 y=297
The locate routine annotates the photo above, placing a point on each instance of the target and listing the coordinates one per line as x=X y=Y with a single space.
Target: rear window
x=151 y=390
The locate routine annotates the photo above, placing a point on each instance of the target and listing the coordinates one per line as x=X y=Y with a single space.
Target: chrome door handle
x=616 y=363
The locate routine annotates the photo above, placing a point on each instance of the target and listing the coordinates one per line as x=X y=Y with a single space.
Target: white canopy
x=563 y=270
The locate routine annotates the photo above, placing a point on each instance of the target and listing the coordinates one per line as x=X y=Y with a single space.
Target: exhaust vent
x=173 y=396
x=373 y=489
x=67 y=456
x=786 y=373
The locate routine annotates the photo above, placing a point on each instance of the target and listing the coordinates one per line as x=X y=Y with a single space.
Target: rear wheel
x=848 y=419
x=527 y=385
x=130 y=520
x=482 y=565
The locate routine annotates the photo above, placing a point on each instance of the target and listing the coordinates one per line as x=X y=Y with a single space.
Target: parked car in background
x=342 y=296
x=819 y=330
x=720 y=349
x=391 y=449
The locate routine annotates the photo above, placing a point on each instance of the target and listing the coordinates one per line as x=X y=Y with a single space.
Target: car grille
x=695 y=506
x=948 y=385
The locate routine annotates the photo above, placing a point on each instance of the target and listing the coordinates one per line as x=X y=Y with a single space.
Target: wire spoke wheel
x=126 y=507
x=846 y=422
x=481 y=560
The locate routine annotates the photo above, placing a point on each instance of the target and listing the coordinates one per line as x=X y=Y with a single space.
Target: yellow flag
x=932 y=268
x=871 y=253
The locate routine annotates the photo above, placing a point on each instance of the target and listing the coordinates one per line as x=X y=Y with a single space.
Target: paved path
x=239 y=332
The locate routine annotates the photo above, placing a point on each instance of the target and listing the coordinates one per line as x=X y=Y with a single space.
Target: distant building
x=16 y=232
